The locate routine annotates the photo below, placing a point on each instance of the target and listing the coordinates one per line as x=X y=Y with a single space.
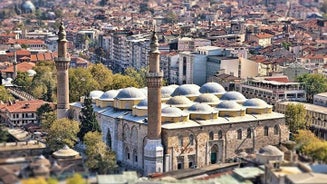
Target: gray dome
x=144 y=91
x=28 y=7
x=233 y=95
x=130 y=92
x=229 y=105
x=166 y=91
x=270 y=150
x=96 y=94
x=109 y=94
x=172 y=112
x=187 y=90
x=212 y=87
x=179 y=101
x=207 y=98
x=255 y=102
x=201 y=108
x=142 y=104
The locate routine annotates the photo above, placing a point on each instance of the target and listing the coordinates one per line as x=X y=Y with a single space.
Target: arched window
x=239 y=134
x=191 y=139
x=109 y=138
x=266 y=131
x=211 y=136
x=180 y=141
x=276 y=130
x=249 y=133
x=135 y=155
x=127 y=154
x=220 y=134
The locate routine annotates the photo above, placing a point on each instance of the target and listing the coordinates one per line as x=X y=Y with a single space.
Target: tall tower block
x=62 y=65
x=153 y=149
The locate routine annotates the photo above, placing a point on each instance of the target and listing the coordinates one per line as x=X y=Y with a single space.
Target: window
x=180 y=141
x=191 y=139
x=184 y=65
x=211 y=136
x=220 y=134
x=249 y=133
x=266 y=130
x=128 y=156
x=190 y=164
x=276 y=130
x=239 y=134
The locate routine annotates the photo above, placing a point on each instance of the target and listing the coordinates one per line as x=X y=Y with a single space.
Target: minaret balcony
x=157 y=74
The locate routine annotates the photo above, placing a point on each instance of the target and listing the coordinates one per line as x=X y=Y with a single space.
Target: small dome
x=109 y=94
x=229 y=105
x=65 y=152
x=31 y=73
x=172 y=112
x=255 y=102
x=187 y=90
x=130 y=92
x=207 y=98
x=96 y=94
x=212 y=87
x=270 y=150
x=28 y=7
x=166 y=91
x=41 y=160
x=233 y=95
x=142 y=104
x=201 y=108
x=179 y=101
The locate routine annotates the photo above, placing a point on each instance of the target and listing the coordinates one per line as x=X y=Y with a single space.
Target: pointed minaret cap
x=62 y=32
x=154 y=45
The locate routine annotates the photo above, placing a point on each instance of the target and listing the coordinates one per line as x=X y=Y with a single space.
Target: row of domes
x=187 y=90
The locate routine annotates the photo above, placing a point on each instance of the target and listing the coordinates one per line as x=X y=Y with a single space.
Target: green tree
x=76 y=179
x=99 y=157
x=313 y=83
x=47 y=120
x=88 y=119
x=81 y=82
x=43 y=111
x=38 y=180
x=23 y=80
x=5 y=96
x=103 y=75
x=3 y=134
x=295 y=116
x=62 y=132
x=138 y=75
x=123 y=81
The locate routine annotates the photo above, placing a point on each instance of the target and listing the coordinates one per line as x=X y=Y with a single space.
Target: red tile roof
x=278 y=79
x=24 y=106
x=21 y=67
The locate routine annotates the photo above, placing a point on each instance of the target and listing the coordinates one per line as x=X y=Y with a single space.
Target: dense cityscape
x=163 y=91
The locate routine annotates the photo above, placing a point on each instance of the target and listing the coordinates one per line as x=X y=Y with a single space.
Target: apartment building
x=273 y=89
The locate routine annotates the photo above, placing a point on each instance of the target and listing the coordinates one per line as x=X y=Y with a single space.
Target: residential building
x=273 y=89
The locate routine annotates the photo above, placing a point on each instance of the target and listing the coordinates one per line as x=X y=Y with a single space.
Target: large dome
x=255 y=102
x=109 y=94
x=96 y=94
x=28 y=7
x=187 y=90
x=207 y=98
x=143 y=104
x=201 y=108
x=212 y=87
x=233 y=95
x=130 y=93
x=232 y=105
x=180 y=101
x=270 y=150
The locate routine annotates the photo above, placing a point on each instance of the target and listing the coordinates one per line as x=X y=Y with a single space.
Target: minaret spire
x=62 y=65
x=153 y=150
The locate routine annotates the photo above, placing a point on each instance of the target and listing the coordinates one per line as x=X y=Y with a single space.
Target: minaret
x=15 y=65
x=62 y=64
x=153 y=150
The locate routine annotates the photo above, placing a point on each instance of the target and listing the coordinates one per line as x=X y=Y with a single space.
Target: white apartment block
x=272 y=90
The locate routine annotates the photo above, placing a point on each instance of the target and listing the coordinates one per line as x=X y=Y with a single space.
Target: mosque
x=160 y=129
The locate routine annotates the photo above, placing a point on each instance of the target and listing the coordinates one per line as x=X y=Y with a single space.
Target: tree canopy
x=62 y=132
x=313 y=83
x=5 y=96
x=99 y=157
x=88 y=119
x=295 y=115
x=76 y=179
